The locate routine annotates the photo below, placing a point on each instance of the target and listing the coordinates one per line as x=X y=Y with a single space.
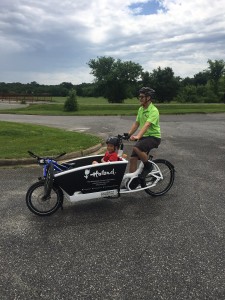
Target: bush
x=71 y=102
x=187 y=94
x=196 y=94
x=206 y=94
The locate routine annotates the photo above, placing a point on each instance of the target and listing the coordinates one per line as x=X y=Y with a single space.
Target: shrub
x=187 y=94
x=196 y=94
x=71 y=102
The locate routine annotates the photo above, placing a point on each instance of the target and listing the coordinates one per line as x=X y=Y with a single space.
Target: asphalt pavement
x=134 y=247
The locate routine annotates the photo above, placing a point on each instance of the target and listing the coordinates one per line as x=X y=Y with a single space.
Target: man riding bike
x=149 y=136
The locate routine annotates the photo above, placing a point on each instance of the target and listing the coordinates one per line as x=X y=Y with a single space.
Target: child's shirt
x=110 y=156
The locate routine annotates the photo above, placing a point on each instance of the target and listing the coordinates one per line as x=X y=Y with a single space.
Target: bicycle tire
x=164 y=184
x=49 y=180
x=38 y=204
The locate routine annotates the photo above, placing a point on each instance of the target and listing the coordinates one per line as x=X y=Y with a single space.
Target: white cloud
x=52 y=41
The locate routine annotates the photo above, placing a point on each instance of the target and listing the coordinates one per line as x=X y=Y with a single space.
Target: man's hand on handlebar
x=134 y=138
x=126 y=136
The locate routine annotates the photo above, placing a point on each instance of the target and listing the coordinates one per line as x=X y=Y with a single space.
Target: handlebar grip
x=60 y=155
x=126 y=136
x=32 y=154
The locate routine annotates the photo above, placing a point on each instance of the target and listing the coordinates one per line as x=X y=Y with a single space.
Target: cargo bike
x=79 y=180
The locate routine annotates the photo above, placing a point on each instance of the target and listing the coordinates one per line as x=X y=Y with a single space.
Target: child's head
x=112 y=144
x=110 y=148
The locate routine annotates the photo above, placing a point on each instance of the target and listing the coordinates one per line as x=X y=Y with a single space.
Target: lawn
x=100 y=107
x=16 y=139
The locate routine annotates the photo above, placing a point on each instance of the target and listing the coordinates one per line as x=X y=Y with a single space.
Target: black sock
x=147 y=164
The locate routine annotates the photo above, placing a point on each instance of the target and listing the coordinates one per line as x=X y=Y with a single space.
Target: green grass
x=99 y=106
x=84 y=110
x=191 y=108
x=16 y=139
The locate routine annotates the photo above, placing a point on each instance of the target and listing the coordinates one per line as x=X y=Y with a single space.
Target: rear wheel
x=39 y=204
x=161 y=178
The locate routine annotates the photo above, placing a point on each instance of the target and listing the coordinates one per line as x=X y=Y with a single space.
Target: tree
x=115 y=79
x=216 y=71
x=87 y=90
x=71 y=102
x=3 y=88
x=196 y=94
x=67 y=85
x=201 y=78
x=187 y=94
x=165 y=83
x=187 y=81
x=146 y=78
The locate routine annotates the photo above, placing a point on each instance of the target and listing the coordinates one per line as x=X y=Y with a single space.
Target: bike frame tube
x=56 y=166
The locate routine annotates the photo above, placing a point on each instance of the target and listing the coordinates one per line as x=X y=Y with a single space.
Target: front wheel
x=38 y=203
x=161 y=178
x=49 y=180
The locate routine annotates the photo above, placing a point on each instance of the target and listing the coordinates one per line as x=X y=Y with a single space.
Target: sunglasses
x=141 y=97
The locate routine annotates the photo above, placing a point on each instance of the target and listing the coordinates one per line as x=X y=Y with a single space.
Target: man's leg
x=144 y=158
x=142 y=155
x=140 y=151
x=133 y=164
x=134 y=159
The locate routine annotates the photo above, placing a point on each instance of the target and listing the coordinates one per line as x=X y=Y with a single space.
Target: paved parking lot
x=134 y=247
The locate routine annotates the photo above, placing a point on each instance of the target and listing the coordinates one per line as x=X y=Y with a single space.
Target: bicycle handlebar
x=125 y=136
x=39 y=158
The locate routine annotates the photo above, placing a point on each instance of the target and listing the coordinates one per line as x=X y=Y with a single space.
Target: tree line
x=117 y=80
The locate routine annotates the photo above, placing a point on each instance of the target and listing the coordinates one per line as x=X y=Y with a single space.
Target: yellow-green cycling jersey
x=151 y=115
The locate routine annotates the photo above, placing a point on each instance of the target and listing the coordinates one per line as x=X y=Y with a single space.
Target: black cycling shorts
x=146 y=144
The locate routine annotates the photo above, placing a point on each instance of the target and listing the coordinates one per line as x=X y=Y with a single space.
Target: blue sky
x=146 y=8
x=52 y=41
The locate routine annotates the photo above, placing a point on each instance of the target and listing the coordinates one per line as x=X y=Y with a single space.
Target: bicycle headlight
x=41 y=161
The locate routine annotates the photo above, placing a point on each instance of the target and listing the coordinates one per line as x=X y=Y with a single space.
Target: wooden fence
x=26 y=98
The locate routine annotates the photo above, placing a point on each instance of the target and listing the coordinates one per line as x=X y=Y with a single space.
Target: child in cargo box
x=111 y=153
